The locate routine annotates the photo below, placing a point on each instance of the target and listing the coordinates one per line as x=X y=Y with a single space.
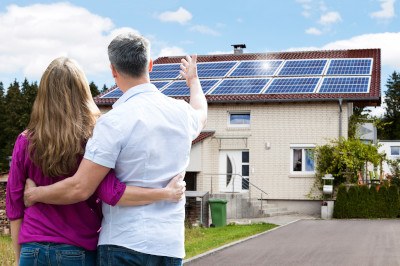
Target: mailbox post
x=327 y=190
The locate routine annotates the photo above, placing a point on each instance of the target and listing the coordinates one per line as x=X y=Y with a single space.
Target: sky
x=35 y=32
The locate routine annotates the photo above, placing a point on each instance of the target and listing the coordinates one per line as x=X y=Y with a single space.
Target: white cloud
x=32 y=36
x=221 y=52
x=204 y=30
x=330 y=18
x=239 y=20
x=181 y=16
x=387 y=42
x=313 y=31
x=307 y=6
x=387 y=10
x=171 y=51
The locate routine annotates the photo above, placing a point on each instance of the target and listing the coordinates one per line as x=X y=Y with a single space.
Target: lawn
x=6 y=251
x=198 y=240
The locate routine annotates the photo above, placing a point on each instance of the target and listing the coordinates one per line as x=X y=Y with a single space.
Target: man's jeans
x=110 y=255
x=34 y=254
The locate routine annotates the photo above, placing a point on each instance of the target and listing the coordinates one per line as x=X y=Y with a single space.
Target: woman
x=62 y=120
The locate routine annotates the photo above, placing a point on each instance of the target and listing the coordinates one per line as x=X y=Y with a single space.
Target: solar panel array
x=340 y=75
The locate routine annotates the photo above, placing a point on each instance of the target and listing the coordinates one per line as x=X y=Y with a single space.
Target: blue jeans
x=35 y=254
x=110 y=255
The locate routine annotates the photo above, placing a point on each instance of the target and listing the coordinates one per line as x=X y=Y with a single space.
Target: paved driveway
x=317 y=242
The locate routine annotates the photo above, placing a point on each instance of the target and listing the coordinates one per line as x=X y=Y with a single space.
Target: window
x=245 y=170
x=302 y=159
x=239 y=119
x=395 y=150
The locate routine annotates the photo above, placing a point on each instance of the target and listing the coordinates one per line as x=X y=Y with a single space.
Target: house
x=267 y=113
x=391 y=148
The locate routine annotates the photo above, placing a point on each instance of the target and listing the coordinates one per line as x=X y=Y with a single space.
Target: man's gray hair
x=129 y=53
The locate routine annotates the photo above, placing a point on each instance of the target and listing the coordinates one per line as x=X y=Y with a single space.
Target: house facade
x=259 y=143
x=391 y=148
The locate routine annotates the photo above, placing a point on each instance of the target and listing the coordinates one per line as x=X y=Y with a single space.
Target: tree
x=104 y=89
x=3 y=139
x=94 y=89
x=29 y=92
x=391 y=119
x=358 y=117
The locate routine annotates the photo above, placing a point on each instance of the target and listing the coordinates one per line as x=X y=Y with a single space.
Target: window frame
x=391 y=151
x=238 y=113
x=303 y=148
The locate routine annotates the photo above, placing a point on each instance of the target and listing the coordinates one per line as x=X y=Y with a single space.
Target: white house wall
x=195 y=158
x=280 y=125
x=384 y=146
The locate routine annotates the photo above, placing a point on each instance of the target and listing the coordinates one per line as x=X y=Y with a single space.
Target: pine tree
x=94 y=89
x=3 y=159
x=104 y=89
x=391 y=119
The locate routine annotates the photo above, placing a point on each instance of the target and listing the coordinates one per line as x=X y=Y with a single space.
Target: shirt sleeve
x=16 y=180
x=106 y=143
x=110 y=189
x=193 y=122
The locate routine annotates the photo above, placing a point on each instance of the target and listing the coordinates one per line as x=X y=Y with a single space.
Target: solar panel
x=165 y=71
x=350 y=67
x=292 y=85
x=345 y=85
x=303 y=67
x=240 y=86
x=115 y=93
x=160 y=84
x=214 y=69
x=256 y=68
x=179 y=88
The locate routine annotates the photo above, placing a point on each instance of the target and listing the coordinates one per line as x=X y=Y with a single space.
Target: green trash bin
x=218 y=212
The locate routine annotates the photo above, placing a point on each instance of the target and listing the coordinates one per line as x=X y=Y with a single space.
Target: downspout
x=340 y=118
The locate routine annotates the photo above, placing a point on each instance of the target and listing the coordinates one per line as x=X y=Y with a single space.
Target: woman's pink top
x=75 y=224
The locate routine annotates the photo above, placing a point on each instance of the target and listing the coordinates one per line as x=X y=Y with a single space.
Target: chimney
x=238 y=48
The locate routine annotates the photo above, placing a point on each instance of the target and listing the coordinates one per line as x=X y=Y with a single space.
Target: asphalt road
x=316 y=242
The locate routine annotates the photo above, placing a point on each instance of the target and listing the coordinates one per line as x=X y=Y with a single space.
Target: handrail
x=241 y=177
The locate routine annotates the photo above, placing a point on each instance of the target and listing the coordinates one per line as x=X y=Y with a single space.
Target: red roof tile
x=203 y=135
x=372 y=98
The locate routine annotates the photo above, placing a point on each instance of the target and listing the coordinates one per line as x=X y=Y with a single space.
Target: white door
x=230 y=168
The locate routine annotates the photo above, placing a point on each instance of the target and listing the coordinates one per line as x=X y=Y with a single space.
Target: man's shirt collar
x=146 y=87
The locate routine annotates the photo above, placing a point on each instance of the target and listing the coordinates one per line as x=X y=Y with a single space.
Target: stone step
x=277 y=213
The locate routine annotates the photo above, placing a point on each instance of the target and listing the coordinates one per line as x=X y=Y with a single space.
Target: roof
x=203 y=135
x=372 y=98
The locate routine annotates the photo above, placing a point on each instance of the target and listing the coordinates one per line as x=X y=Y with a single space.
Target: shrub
x=340 y=208
x=361 y=202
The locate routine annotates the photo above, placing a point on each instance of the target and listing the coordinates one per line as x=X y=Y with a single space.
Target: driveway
x=316 y=242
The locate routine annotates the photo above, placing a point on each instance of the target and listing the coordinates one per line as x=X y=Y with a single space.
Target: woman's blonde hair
x=62 y=118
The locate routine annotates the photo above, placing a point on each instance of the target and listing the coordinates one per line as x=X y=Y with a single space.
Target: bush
x=340 y=208
x=361 y=202
x=393 y=201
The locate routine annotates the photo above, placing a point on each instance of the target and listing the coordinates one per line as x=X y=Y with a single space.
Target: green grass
x=199 y=240
x=6 y=251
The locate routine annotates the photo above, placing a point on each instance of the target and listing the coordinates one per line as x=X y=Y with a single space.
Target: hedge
x=364 y=202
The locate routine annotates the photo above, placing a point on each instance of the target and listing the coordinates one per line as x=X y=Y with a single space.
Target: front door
x=233 y=169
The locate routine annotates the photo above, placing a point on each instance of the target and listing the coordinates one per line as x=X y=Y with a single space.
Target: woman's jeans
x=35 y=254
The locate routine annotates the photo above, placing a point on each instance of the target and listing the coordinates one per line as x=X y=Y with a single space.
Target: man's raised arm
x=197 y=99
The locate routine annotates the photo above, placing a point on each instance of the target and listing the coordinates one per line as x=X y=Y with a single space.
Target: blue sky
x=34 y=32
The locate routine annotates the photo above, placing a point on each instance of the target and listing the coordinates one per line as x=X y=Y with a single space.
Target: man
x=147 y=136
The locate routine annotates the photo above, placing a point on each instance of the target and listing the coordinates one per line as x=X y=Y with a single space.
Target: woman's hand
x=176 y=188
